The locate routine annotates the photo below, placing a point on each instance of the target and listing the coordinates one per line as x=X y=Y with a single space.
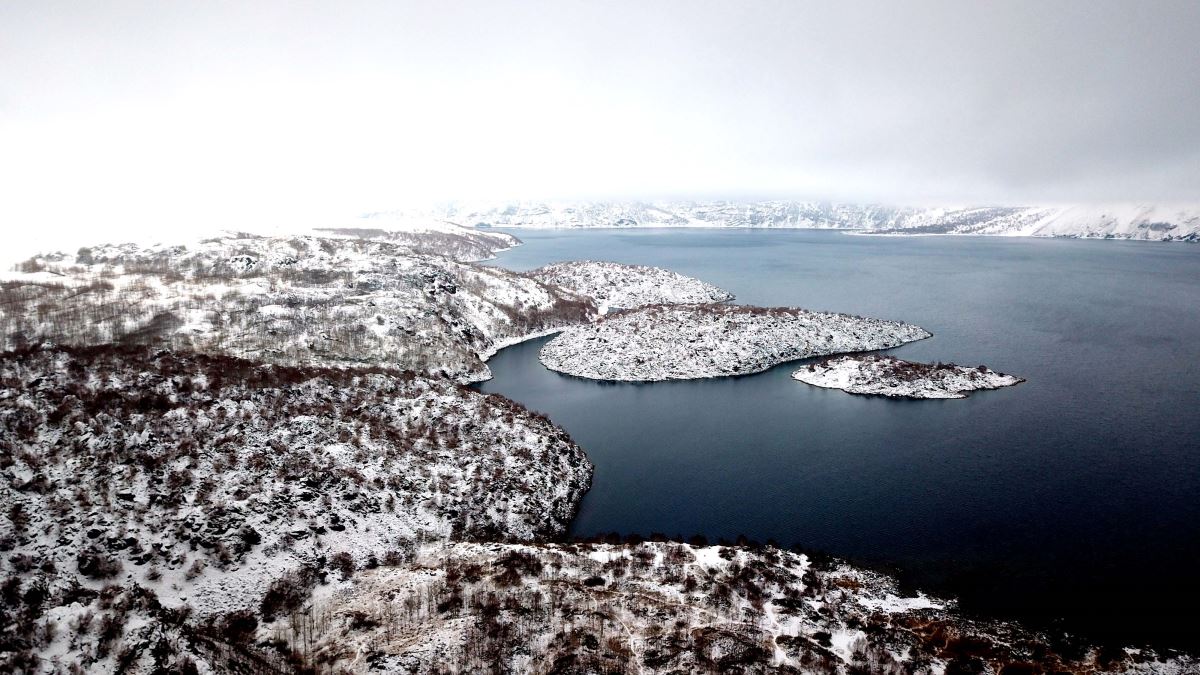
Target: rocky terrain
x=1169 y=222
x=882 y=375
x=665 y=342
x=614 y=286
x=291 y=301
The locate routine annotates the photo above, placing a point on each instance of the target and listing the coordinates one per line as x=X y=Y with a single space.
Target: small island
x=615 y=286
x=680 y=342
x=882 y=375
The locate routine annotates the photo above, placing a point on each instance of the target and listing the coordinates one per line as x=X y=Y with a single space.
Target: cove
x=1071 y=500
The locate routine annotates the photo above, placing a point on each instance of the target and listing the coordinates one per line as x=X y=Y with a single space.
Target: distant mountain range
x=1166 y=222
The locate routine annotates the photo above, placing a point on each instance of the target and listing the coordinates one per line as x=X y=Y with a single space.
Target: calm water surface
x=1073 y=498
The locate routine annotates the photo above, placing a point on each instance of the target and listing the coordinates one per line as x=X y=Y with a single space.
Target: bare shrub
x=98 y=565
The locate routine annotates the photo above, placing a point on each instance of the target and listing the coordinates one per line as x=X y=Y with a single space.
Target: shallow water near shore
x=1073 y=498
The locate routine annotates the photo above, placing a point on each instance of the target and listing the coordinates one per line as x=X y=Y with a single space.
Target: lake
x=1071 y=500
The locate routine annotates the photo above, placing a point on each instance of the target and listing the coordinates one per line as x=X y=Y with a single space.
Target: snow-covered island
x=882 y=375
x=677 y=342
x=614 y=286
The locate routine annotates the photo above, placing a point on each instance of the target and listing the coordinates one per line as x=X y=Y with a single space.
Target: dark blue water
x=1072 y=499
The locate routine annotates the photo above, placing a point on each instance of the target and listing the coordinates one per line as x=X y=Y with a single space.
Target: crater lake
x=1069 y=501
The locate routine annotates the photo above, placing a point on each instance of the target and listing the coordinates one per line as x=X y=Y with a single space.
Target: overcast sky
x=163 y=115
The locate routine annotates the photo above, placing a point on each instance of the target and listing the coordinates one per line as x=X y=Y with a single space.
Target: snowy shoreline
x=498 y=345
x=611 y=287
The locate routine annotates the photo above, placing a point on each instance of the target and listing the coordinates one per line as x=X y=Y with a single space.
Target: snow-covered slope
x=1123 y=221
x=672 y=342
x=1112 y=221
x=664 y=214
x=615 y=286
x=667 y=214
x=883 y=375
x=662 y=607
x=564 y=215
x=203 y=480
x=291 y=301
x=1179 y=222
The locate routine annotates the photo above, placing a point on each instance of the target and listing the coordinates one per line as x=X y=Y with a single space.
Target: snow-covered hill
x=883 y=375
x=292 y=301
x=1116 y=221
x=1178 y=222
x=429 y=235
x=614 y=286
x=665 y=214
x=1122 y=221
x=203 y=480
x=664 y=607
x=672 y=342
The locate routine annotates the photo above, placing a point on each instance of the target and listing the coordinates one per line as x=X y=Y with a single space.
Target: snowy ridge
x=667 y=214
x=1149 y=222
x=1170 y=222
x=665 y=342
x=427 y=235
x=883 y=375
x=615 y=286
x=1123 y=221
x=292 y=301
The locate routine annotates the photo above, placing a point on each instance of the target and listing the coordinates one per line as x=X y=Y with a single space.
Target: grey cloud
x=1001 y=101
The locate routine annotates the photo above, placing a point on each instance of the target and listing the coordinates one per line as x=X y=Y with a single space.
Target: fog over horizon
x=159 y=118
